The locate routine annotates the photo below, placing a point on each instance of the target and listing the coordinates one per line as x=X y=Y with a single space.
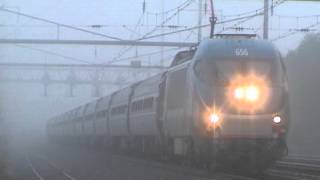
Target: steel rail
x=52 y=165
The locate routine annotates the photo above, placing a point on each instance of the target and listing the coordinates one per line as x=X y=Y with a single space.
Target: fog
x=25 y=109
x=303 y=75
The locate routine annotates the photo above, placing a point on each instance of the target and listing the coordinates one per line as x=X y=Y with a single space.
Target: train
x=222 y=104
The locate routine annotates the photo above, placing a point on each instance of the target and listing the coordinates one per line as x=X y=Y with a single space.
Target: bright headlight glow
x=252 y=93
x=277 y=119
x=214 y=118
x=248 y=93
x=239 y=93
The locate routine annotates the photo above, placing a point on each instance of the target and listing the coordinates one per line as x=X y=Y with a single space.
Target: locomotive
x=223 y=103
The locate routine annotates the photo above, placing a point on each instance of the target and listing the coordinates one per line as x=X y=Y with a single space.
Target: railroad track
x=43 y=169
x=296 y=169
x=192 y=172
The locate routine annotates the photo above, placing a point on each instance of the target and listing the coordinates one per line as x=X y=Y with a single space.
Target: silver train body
x=195 y=109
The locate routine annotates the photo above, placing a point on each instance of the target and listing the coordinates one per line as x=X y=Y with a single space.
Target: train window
x=133 y=106
x=176 y=89
x=227 y=69
x=119 y=110
x=113 y=111
x=123 y=109
x=137 y=106
x=148 y=103
x=142 y=105
x=261 y=67
x=204 y=72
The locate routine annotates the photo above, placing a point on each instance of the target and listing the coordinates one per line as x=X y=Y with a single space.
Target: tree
x=303 y=66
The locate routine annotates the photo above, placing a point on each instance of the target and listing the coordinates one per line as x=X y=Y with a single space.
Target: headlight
x=239 y=93
x=277 y=119
x=252 y=93
x=214 y=118
x=248 y=93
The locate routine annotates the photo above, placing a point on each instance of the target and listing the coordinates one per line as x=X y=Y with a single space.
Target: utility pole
x=266 y=20
x=200 y=21
x=213 y=19
x=162 y=31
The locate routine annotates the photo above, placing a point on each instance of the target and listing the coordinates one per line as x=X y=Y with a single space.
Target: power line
x=245 y=18
x=155 y=52
x=142 y=55
x=170 y=26
x=244 y=13
x=202 y=26
x=178 y=9
x=58 y=65
x=167 y=11
x=241 y=22
x=259 y=11
x=52 y=53
x=59 y=24
x=128 y=48
x=305 y=29
x=238 y=28
x=168 y=19
x=87 y=62
x=308 y=16
x=95 y=42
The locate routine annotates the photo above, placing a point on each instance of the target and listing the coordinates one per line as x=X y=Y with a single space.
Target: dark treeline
x=303 y=66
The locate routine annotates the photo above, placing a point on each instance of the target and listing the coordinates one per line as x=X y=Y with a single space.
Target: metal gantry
x=97 y=42
x=72 y=75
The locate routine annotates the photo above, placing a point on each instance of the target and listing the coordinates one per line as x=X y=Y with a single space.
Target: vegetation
x=303 y=66
x=308 y=48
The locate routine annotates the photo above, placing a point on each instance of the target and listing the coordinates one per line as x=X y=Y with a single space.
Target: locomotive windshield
x=222 y=71
x=226 y=70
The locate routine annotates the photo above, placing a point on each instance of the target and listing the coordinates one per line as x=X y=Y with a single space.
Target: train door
x=160 y=106
x=177 y=124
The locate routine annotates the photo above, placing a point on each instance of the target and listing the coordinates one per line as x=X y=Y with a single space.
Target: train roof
x=225 y=48
x=103 y=103
x=182 y=56
x=90 y=107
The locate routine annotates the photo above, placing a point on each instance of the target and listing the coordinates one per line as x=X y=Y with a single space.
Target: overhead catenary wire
x=182 y=6
x=277 y=3
x=259 y=11
x=143 y=55
x=192 y=28
x=155 y=52
x=294 y=17
x=59 y=24
x=196 y=27
x=123 y=51
x=53 y=53
x=168 y=18
x=167 y=11
x=294 y=32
